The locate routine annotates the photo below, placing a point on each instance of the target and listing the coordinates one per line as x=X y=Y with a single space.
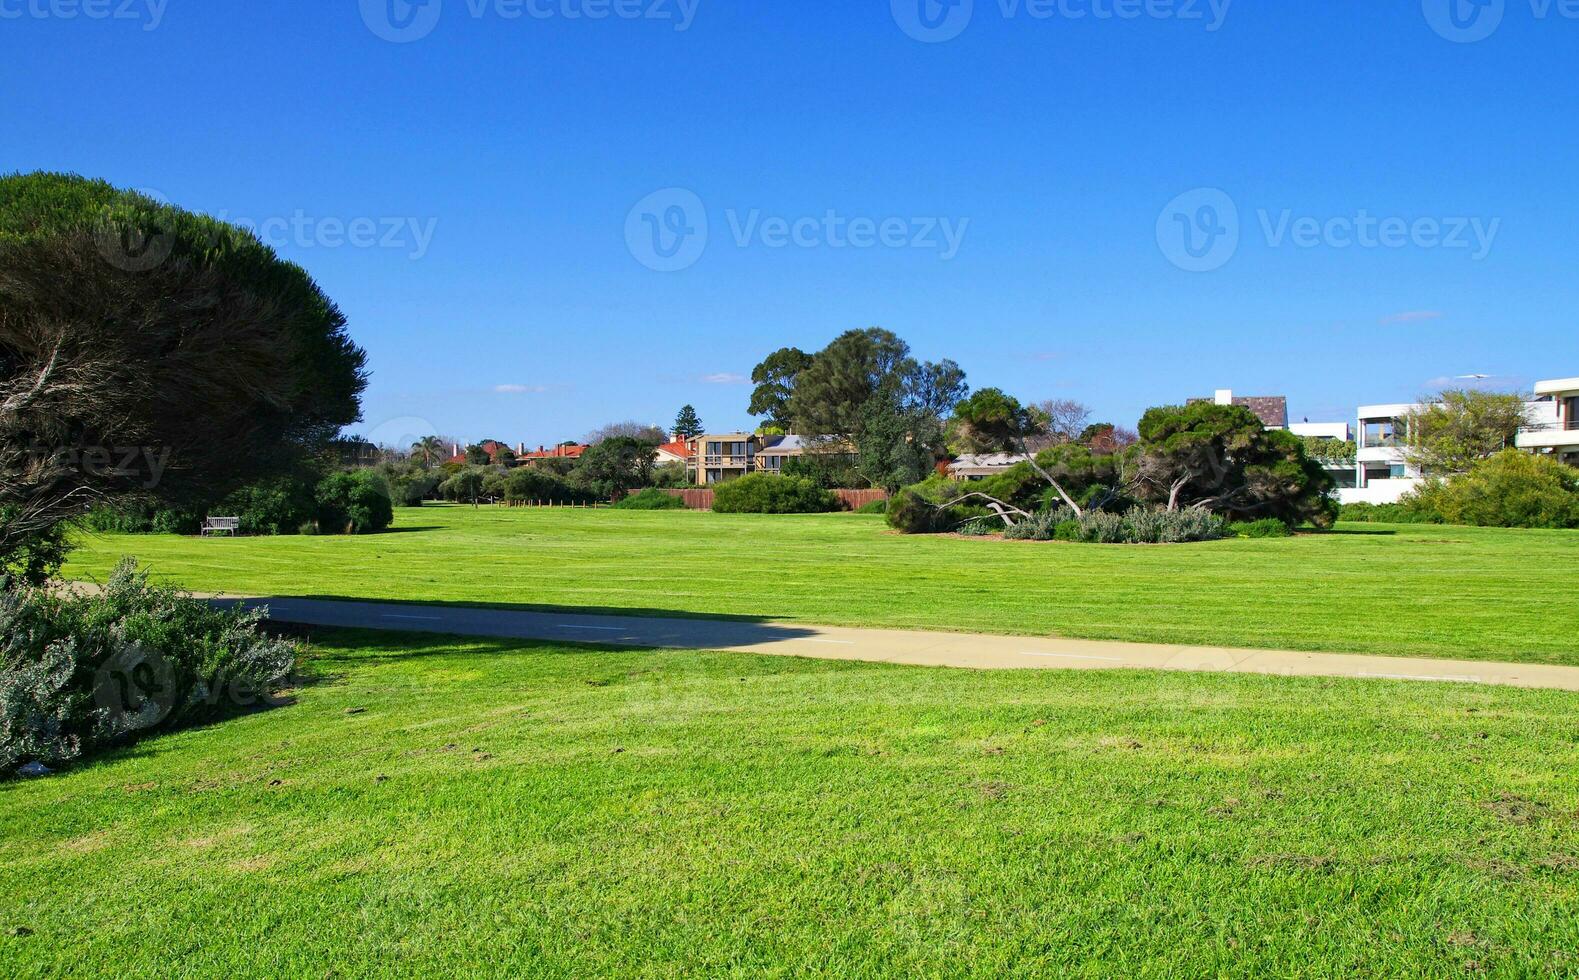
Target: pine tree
x=687 y=425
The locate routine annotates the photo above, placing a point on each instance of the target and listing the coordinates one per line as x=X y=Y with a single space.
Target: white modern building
x=1554 y=420
x=1382 y=473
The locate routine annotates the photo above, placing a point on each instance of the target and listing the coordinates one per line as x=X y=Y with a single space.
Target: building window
x=1571 y=414
x=1379 y=434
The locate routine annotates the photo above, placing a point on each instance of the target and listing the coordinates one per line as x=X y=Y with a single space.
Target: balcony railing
x=728 y=460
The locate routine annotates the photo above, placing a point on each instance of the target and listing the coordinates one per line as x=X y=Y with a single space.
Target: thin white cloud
x=1413 y=316
x=725 y=378
x=519 y=389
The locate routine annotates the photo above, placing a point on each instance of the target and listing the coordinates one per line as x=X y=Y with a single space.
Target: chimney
x=1225 y=396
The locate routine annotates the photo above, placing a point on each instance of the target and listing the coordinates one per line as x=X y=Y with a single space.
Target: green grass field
x=1421 y=590
x=529 y=810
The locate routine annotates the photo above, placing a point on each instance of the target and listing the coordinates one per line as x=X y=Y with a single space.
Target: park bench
x=228 y=526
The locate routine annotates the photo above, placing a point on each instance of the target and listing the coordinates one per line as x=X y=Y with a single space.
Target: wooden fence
x=851 y=499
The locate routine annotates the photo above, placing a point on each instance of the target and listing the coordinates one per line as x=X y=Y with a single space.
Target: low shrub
x=875 y=507
x=1271 y=527
x=651 y=499
x=1511 y=489
x=910 y=511
x=1137 y=526
x=1408 y=511
x=979 y=527
x=355 y=502
x=81 y=673
x=762 y=493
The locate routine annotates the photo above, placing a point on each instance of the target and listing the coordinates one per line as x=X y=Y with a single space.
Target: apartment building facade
x=1554 y=421
x=718 y=458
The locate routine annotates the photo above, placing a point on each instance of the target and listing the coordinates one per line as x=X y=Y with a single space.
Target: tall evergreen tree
x=688 y=425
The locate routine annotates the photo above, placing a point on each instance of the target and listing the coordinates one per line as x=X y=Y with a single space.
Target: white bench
x=228 y=526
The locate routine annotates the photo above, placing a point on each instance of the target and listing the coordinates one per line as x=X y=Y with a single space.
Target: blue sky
x=1401 y=186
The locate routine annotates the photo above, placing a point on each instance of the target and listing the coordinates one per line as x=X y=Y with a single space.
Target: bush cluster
x=651 y=499
x=1510 y=489
x=346 y=502
x=1137 y=526
x=1407 y=511
x=533 y=484
x=80 y=673
x=875 y=507
x=762 y=493
x=1270 y=527
x=354 y=502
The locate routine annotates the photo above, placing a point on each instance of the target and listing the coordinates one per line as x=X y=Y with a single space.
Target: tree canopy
x=1452 y=430
x=147 y=351
x=1222 y=458
x=687 y=424
x=775 y=380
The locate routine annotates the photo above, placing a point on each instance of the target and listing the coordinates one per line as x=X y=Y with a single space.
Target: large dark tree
x=775 y=379
x=1222 y=459
x=146 y=351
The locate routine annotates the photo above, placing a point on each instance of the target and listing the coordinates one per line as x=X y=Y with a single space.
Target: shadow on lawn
x=594 y=626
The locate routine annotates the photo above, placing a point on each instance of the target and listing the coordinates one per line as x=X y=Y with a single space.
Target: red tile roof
x=558 y=452
x=681 y=449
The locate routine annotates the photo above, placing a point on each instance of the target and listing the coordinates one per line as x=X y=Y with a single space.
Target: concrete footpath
x=979 y=651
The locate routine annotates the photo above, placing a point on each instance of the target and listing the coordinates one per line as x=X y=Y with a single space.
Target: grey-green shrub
x=62 y=656
x=1138 y=526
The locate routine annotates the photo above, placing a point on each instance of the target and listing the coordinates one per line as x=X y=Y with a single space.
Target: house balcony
x=728 y=462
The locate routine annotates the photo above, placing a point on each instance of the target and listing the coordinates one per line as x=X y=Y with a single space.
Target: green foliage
x=277 y=506
x=1410 y=510
x=466 y=485
x=874 y=507
x=687 y=424
x=671 y=476
x=79 y=673
x=616 y=465
x=159 y=328
x=1222 y=458
x=775 y=380
x=1266 y=528
x=1337 y=452
x=355 y=502
x=830 y=470
x=1138 y=526
x=913 y=511
x=898 y=442
x=651 y=499
x=762 y=493
x=410 y=483
x=1453 y=430
x=991 y=421
x=1510 y=489
x=534 y=485
x=36 y=558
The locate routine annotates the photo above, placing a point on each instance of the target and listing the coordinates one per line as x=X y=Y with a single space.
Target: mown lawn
x=435 y=807
x=1433 y=591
